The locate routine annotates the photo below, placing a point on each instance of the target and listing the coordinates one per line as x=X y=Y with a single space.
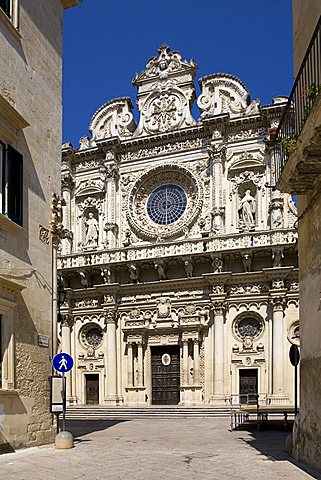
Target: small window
x=5 y=5
x=11 y=183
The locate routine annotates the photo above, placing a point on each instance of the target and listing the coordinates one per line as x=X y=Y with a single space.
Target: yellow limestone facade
x=30 y=142
x=181 y=265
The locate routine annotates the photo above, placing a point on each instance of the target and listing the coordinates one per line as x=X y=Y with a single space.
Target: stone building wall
x=180 y=254
x=30 y=122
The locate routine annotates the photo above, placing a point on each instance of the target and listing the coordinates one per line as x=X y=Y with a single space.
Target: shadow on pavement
x=270 y=442
x=80 y=428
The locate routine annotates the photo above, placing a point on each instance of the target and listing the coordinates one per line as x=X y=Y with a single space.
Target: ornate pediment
x=165 y=93
x=224 y=93
x=166 y=64
x=90 y=186
x=245 y=160
x=113 y=119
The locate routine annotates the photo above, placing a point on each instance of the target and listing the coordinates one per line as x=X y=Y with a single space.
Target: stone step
x=102 y=411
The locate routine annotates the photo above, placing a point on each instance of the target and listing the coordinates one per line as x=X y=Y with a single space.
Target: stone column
x=111 y=358
x=278 y=350
x=130 y=363
x=185 y=362
x=219 y=308
x=66 y=325
x=140 y=360
x=196 y=362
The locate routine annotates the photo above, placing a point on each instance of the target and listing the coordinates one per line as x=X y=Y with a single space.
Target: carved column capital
x=67 y=182
x=278 y=303
x=219 y=307
x=67 y=320
x=110 y=316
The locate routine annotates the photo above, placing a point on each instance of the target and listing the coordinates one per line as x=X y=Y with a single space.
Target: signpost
x=294 y=355
x=62 y=363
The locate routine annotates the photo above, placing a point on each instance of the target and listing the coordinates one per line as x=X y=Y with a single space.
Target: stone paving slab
x=158 y=449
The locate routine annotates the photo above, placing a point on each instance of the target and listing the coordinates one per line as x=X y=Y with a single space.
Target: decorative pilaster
x=217 y=156
x=196 y=361
x=219 y=309
x=110 y=319
x=185 y=362
x=140 y=361
x=110 y=226
x=130 y=364
x=278 y=396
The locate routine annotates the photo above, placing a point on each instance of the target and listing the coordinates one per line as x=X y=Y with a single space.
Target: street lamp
x=61 y=297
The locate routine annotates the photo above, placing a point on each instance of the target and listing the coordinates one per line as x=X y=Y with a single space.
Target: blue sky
x=106 y=42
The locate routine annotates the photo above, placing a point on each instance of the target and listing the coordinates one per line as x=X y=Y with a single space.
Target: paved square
x=157 y=449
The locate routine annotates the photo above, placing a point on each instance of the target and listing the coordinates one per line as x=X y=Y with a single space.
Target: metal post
x=64 y=402
x=295 y=390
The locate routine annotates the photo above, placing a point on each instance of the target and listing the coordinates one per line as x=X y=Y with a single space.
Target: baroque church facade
x=179 y=261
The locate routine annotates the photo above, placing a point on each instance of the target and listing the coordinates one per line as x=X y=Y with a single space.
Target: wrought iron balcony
x=305 y=92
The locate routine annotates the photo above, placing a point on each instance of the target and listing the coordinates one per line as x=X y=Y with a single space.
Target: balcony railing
x=306 y=88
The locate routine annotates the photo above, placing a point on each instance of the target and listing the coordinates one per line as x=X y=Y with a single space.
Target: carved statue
x=159 y=266
x=248 y=208
x=106 y=274
x=247 y=262
x=277 y=256
x=217 y=265
x=84 y=280
x=92 y=230
x=133 y=273
x=188 y=268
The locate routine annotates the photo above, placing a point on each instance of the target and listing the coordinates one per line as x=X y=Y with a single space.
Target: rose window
x=166 y=204
x=91 y=336
x=248 y=327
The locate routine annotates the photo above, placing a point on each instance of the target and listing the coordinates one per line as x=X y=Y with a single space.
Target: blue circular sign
x=62 y=362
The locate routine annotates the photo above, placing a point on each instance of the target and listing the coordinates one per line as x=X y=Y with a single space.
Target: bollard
x=64 y=440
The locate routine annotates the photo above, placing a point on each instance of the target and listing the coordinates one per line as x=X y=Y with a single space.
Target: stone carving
x=67 y=182
x=106 y=273
x=87 y=303
x=276 y=210
x=163 y=307
x=223 y=93
x=165 y=109
x=247 y=210
x=189 y=267
x=246 y=176
x=217 y=264
x=44 y=234
x=133 y=273
x=277 y=257
x=87 y=165
x=92 y=231
x=247 y=262
x=218 y=289
x=160 y=268
x=85 y=279
x=84 y=142
x=277 y=283
x=166 y=63
x=90 y=202
x=244 y=289
x=244 y=134
x=145 y=152
x=113 y=119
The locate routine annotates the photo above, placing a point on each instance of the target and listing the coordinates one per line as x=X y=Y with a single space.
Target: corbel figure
x=133 y=273
x=247 y=261
x=277 y=257
x=189 y=267
x=160 y=267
